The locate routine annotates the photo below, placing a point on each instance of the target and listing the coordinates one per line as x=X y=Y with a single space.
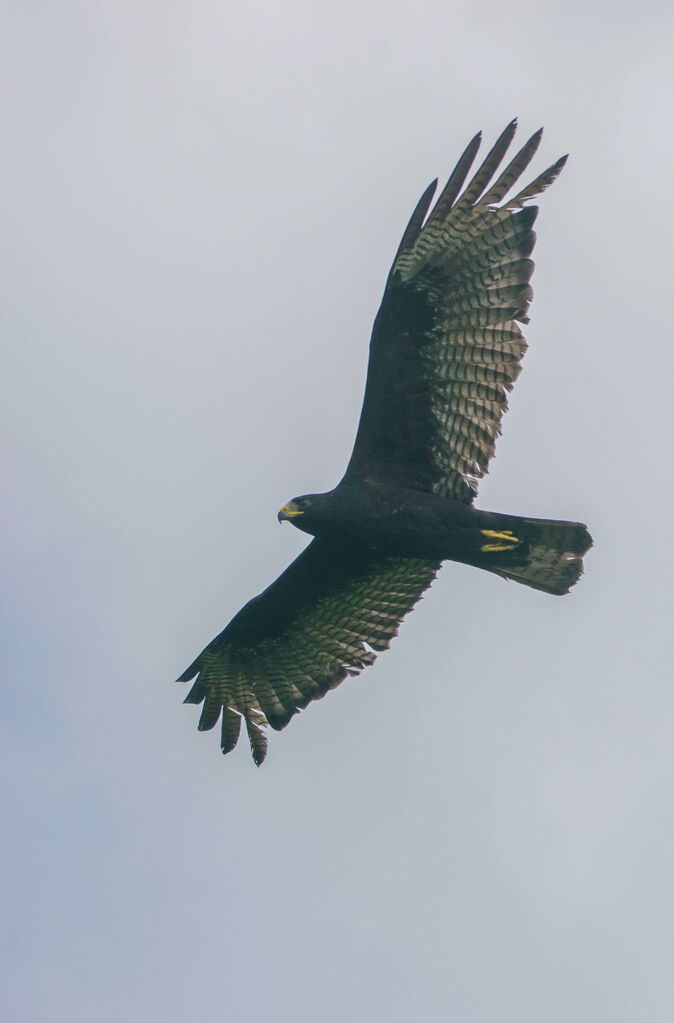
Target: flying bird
x=446 y=349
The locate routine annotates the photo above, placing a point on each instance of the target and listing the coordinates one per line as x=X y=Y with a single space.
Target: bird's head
x=290 y=511
x=306 y=512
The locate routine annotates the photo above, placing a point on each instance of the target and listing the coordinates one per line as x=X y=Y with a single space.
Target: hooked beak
x=289 y=511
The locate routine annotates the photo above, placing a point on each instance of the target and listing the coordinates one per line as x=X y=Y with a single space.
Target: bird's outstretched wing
x=446 y=345
x=323 y=619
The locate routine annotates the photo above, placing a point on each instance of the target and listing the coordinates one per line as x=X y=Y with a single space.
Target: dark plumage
x=446 y=348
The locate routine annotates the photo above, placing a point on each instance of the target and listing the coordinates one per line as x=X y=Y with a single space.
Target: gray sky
x=200 y=205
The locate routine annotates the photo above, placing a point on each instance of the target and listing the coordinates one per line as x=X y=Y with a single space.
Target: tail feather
x=549 y=556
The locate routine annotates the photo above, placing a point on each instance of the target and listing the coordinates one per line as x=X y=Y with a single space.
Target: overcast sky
x=200 y=203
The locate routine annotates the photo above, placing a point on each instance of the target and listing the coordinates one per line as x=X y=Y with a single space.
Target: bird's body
x=446 y=349
x=396 y=522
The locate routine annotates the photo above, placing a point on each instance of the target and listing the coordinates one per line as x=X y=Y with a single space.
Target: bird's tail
x=542 y=553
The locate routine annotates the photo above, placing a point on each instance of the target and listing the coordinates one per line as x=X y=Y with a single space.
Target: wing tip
x=189 y=674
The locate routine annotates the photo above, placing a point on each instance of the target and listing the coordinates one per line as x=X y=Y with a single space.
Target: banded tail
x=542 y=553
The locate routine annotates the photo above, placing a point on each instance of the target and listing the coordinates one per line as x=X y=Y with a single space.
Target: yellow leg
x=508 y=541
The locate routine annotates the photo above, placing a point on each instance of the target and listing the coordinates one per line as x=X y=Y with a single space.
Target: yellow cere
x=290 y=510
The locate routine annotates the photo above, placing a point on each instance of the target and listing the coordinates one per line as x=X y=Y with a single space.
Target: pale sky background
x=200 y=203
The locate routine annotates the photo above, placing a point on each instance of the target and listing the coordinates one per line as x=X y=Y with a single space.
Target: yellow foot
x=508 y=541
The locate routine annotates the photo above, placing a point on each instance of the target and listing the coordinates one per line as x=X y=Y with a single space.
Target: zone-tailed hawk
x=445 y=351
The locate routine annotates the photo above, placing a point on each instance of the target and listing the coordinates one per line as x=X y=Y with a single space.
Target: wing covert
x=446 y=345
x=325 y=618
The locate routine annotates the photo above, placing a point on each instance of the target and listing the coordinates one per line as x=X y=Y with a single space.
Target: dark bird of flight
x=446 y=349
